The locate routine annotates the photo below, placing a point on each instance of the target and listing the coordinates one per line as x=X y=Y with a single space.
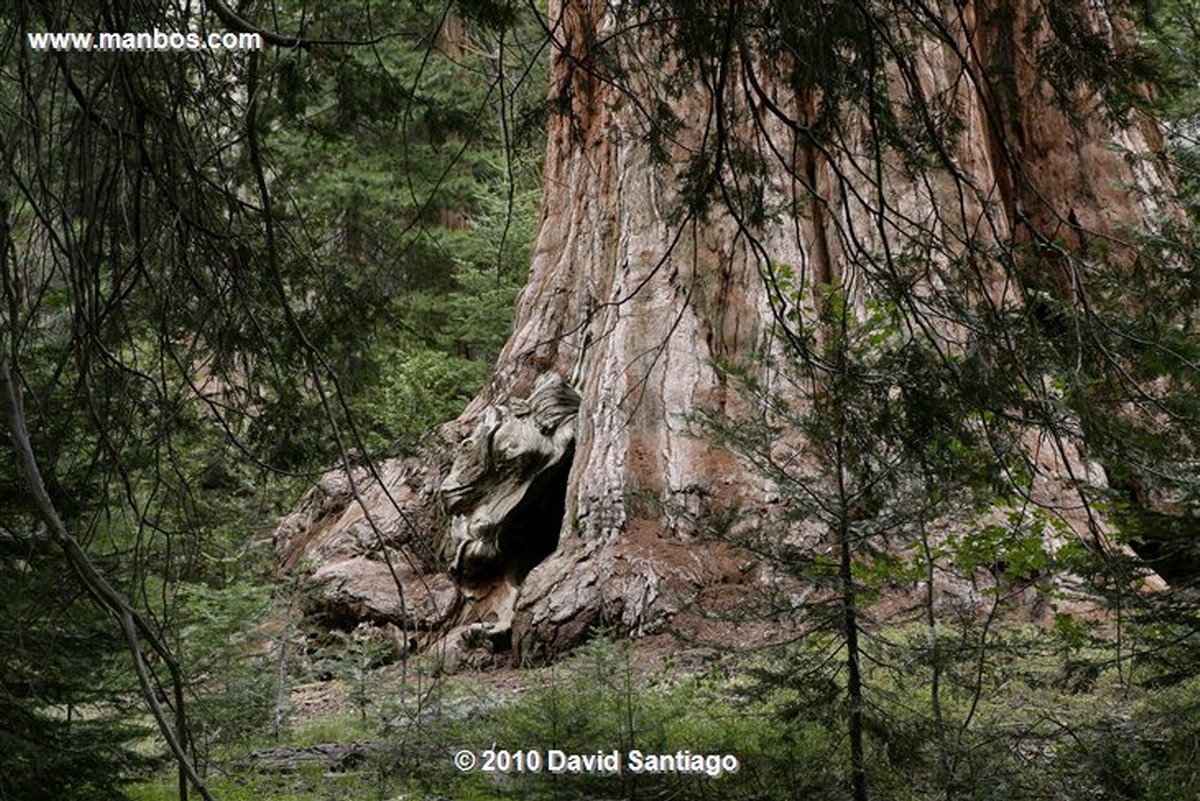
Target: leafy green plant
x=231 y=662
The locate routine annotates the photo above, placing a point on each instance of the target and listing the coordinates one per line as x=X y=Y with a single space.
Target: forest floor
x=366 y=732
x=1042 y=713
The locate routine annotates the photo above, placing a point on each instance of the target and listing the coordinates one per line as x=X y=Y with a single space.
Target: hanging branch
x=234 y=22
x=133 y=625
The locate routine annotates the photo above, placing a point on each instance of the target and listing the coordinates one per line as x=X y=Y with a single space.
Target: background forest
x=224 y=274
x=192 y=355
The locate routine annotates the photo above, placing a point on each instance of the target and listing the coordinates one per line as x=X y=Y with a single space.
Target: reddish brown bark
x=636 y=303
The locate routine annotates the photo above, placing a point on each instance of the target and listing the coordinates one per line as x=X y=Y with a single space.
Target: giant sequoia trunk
x=693 y=160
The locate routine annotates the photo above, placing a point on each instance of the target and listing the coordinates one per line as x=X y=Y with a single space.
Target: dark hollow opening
x=530 y=531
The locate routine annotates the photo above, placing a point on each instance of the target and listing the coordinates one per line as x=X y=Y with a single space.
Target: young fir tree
x=887 y=469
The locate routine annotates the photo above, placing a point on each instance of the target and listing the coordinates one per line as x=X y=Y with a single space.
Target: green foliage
x=597 y=701
x=417 y=391
x=1024 y=713
x=304 y=785
x=234 y=666
x=66 y=728
x=1015 y=549
x=220 y=274
x=1172 y=31
x=409 y=172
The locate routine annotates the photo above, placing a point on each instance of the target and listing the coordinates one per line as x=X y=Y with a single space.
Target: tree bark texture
x=637 y=297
